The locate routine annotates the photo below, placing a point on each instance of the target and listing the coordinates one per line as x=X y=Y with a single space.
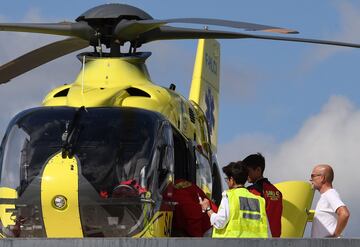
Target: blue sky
x=298 y=104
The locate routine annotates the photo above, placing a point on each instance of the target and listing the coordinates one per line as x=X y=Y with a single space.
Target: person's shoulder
x=250 y=186
x=255 y=196
x=256 y=187
x=265 y=181
x=271 y=192
x=332 y=197
x=269 y=186
x=331 y=193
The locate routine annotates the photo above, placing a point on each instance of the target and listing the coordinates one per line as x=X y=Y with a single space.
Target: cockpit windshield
x=117 y=151
x=112 y=145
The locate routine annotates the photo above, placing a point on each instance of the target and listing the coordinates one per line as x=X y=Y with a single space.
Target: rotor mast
x=110 y=22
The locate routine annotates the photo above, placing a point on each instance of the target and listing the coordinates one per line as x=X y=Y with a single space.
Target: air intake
x=192 y=115
x=137 y=92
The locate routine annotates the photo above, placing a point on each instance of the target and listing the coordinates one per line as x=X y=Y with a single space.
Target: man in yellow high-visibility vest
x=241 y=214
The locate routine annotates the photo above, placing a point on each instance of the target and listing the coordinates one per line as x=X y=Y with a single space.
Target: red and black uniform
x=273 y=202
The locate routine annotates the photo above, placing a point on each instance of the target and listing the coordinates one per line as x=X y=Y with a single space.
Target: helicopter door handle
x=171 y=203
x=151 y=201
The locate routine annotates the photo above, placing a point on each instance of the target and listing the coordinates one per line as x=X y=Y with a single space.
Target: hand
x=336 y=236
x=204 y=204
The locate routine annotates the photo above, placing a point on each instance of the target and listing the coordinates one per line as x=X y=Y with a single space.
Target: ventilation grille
x=192 y=115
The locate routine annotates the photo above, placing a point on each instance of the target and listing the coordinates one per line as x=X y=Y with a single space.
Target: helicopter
x=96 y=159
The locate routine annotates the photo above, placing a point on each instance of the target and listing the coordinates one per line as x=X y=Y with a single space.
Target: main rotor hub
x=114 y=11
x=104 y=18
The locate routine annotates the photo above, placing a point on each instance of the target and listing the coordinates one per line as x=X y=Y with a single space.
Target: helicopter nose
x=59 y=197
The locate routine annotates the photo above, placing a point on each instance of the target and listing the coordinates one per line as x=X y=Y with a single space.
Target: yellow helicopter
x=95 y=160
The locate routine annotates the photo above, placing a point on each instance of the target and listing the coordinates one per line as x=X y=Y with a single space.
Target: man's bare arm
x=343 y=217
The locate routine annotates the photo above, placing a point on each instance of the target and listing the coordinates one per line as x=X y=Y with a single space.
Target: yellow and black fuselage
x=96 y=159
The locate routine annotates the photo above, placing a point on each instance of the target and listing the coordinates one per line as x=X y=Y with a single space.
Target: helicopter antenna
x=98 y=35
x=82 y=75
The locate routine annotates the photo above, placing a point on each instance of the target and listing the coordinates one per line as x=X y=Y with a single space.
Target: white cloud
x=332 y=137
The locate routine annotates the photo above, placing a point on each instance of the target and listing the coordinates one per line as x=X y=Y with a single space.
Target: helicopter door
x=160 y=178
x=203 y=173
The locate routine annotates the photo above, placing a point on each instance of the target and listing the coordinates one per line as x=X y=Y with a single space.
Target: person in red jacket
x=188 y=219
x=262 y=186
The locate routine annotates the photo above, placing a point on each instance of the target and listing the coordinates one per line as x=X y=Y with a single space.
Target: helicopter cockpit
x=124 y=158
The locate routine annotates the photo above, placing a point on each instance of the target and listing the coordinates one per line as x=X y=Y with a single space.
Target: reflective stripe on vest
x=247 y=216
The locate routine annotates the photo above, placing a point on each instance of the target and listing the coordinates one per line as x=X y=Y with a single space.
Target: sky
x=297 y=104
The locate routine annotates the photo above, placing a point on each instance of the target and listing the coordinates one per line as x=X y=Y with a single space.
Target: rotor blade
x=170 y=33
x=226 y=23
x=73 y=29
x=131 y=29
x=304 y=40
x=127 y=30
x=39 y=57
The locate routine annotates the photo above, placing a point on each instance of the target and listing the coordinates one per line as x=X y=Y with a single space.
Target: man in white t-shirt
x=331 y=214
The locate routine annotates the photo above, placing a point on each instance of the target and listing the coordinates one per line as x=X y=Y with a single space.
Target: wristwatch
x=207 y=209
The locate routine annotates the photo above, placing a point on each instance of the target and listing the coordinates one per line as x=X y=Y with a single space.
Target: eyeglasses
x=226 y=179
x=315 y=175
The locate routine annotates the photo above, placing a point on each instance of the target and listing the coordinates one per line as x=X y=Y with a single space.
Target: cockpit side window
x=217 y=185
x=203 y=173
x=17 y=140
x=165 y=155
x=184 y=167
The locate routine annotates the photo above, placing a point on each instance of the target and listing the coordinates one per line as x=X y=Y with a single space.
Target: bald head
x=326 y=171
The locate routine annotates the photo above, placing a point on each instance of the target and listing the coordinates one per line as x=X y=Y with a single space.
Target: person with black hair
x=241 y=214
x=261 y=186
